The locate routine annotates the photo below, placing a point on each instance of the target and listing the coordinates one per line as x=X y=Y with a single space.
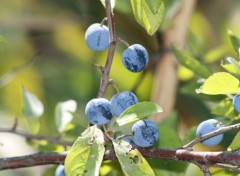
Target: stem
x=29 y=136
x=105 y=76
x=212 y=134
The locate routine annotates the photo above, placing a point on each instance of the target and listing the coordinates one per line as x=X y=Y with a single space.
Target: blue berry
x=145 y=133
x=60 y=171
x=128 y=139
x=97 y=37
x=209 y=126
x=121 y=101
x=135 y=58
x=236 y=102
x=99 y=111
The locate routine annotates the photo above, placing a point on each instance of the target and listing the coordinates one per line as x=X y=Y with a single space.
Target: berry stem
x=103 y=21
x=212 y=134
x=105 y=76
x=114 y=85
x=123 y=42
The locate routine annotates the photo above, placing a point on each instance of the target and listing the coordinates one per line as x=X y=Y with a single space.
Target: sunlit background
x=42 y=48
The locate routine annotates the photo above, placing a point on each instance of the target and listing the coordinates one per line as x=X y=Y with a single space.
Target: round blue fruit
x=135 y=58
x=128 y=139
x=145 y=133
x=99 y=111
x=206 y=127
x=97 y=37
x=60 y=171
x=236 y=102
x=121 y=101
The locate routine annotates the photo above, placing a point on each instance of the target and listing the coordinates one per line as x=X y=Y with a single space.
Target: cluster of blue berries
x=100 y=111
x=135 y=58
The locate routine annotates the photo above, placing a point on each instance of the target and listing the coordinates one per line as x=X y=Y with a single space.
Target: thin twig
x=228 y=167
x=114 y=85
x=123 y=42
x=111 y=50
x=205 y=169
x=212 y=134
x=35 y=137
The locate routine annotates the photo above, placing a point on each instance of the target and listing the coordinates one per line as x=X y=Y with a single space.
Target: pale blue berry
x=97 y=37
x=206 y=127
x=121 y=101
x=145 y=133
x=236 y=102
x=135 y=58
x=60 y=171
x=99 y=111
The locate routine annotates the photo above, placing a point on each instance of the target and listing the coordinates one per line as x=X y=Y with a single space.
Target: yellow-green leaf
x=235 y=40
x=225 y=109
x=86 y=154
x=220 y=83
x=231 y=65
x=148 y=14
x=131 y=160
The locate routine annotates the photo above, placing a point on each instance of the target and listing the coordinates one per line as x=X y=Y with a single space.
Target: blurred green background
x=51 y=35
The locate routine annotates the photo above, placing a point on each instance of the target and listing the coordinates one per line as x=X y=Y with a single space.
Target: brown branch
x=32 y=160
x=111 y=50
x=199 y=158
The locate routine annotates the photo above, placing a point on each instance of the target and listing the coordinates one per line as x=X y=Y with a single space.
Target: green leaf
x=32 y=110
x=111 y=1
x=235 y=40
x=191 y=63
x=64 y=113
x=148 y=14
x=131 y=160
x=235 y=143
x=154 y=5
x=138 y=111
x=168 y=130
x=2 y=40
x=233 y=67
x=86 y=154
x=220 y=83
x=32 y=106
x=226 y=109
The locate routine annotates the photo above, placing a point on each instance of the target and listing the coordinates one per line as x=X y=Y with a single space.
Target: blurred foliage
x=51 y=35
